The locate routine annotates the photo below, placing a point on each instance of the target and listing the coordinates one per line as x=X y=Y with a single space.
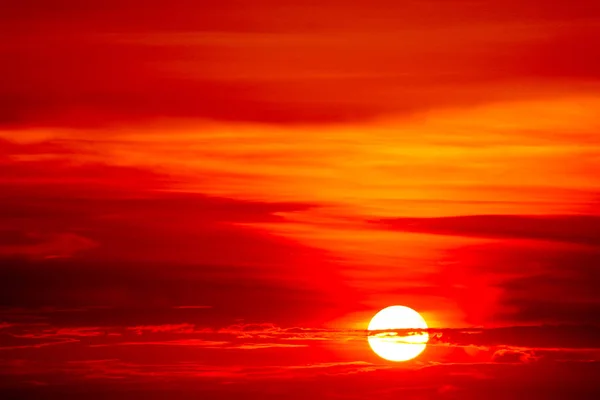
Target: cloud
x=566 y=342
x=107 y=235
x=50 y=246
x=182 y=342
x=44 y=331
x=250 y=71
x=175 y=328
x=191 y=307
x=353 y=380
x=521 y=282
x=201 y=359
x=212 y=165
x=39 y=345
x=513 y=356
x=577 y=229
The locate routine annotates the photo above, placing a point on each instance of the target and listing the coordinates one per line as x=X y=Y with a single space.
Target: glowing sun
x=391 y=346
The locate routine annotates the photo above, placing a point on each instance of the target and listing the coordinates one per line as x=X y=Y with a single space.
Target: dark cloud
x=146 y=293
x=81 y=235
x=515 y=356
x=244 y=358
x=534 y=269
x=578 y=229
x=535 y=337
x=30 y=172
x=60 y=245
x=507 y=341
x=356 y=380
x=527 y=283
x=146 y=263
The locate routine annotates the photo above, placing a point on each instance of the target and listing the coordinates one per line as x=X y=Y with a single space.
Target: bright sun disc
x=389 y=345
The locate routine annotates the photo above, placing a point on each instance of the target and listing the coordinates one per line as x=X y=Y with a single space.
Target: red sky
x=212 y=198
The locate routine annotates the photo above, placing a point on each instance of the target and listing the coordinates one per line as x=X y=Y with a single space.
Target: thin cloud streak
x=255 y=336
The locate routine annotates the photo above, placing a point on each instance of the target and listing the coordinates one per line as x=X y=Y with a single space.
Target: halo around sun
x=391 y=346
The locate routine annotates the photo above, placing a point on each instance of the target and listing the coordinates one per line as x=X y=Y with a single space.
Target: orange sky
x=230 y=176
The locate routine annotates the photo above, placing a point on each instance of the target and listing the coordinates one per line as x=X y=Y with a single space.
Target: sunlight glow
x=391 y=346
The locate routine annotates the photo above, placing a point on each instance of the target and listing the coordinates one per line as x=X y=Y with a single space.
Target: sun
x=390 y=346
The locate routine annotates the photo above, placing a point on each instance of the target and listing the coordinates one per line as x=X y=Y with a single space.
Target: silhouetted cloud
x=513 y=356
x=579 y=229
